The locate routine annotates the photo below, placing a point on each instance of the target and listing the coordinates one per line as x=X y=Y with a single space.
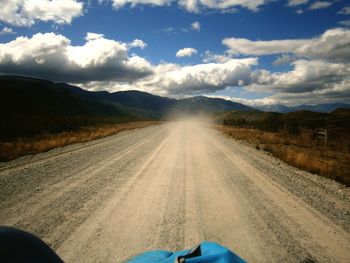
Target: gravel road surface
x=169 y=187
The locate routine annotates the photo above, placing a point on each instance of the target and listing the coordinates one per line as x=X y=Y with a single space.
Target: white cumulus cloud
x=345 y=10
x=320 y=5
x=334 y=45
x=308 y=82
x=249 y=47
x=344 y=22
x=117 y=4
x=137 y=43
x=175 y=80
x=321 y=67
x=197 y=5
x=297 y=2
x=6 y=31
x=178 y=81
x=306 y=76
x=209 y=56
x=93 y=36
x=284 y=59
x=193 y=5
x=26 y=12
x=186 y=52
x=53 y=57
x=196 y=26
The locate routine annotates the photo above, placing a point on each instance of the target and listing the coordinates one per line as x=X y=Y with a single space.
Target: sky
x=257 y=52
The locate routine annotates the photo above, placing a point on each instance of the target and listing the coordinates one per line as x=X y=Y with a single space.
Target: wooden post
x=323 y=135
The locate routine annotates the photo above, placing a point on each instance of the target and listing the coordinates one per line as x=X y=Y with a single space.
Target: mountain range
x=30 y=96
x=30 y=106
x=326 y=108
x=23 y=95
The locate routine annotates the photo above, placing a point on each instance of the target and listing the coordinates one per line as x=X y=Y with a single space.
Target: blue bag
x=206 y=252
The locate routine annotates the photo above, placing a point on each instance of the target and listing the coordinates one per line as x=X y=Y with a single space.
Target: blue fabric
x=210 y=253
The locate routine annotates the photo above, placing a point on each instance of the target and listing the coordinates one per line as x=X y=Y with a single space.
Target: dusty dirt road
x=172 y=186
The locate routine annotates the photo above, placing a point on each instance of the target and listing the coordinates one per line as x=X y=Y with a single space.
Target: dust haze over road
x=169 y=187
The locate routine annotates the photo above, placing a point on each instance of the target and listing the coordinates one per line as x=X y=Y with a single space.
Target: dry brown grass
x=302 y=151
x=31 y=145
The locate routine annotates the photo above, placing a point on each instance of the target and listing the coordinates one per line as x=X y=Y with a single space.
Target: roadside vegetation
x=297 y=138
x=17 y=147
x=39 y=115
